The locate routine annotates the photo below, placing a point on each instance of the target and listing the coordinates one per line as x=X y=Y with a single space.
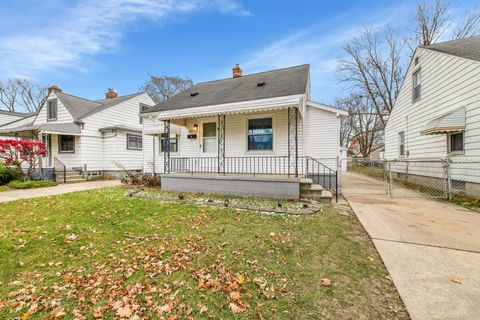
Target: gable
x=63 y=115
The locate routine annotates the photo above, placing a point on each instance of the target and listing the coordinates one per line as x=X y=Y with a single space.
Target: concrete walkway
x=431 y=248
x=60 y=189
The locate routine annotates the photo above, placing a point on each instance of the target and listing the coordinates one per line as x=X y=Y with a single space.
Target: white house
x=86 y=137
x=437 y=112
x=7 y=117
x=257 y=134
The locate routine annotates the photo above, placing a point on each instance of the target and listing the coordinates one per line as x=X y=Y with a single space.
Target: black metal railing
x=308 y=167
x=59 y=167
x=272 y=165
x=322 y=175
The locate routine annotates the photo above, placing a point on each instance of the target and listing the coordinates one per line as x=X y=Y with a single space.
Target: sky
x=87 y=46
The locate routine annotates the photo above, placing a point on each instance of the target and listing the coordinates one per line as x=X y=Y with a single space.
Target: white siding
x=63 y=116
x=323 y=136
x=99 y=151
x=6 y=118
x=448 y=83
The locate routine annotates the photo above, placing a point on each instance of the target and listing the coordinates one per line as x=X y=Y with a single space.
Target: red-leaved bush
x=22 y=153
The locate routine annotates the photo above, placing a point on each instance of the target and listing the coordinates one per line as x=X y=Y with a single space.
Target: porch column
x=221 y=144
x=293 y=141
x=40 y=164
x=166 y=146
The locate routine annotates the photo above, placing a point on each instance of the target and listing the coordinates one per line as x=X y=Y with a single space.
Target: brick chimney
x=111 y=93
x=237 y=71
x=54 y=88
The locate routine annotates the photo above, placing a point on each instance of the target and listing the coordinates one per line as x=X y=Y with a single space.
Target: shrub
x=7 y=174
x=31 y=184
x=141 y=180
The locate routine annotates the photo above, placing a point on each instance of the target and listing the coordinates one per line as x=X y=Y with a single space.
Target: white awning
x=450 y=122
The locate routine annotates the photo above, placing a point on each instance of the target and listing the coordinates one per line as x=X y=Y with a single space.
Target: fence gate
x=419 y=178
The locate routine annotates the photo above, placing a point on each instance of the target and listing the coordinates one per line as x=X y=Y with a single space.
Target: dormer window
x=52 y=110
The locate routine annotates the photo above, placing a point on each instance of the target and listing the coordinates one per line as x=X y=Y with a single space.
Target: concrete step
x=317 y=193
x=316 y=188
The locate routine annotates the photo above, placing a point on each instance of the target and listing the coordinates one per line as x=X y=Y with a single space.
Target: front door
x=47 y=159
x=209 y=139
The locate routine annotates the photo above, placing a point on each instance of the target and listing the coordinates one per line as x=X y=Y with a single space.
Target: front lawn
x=100 y=254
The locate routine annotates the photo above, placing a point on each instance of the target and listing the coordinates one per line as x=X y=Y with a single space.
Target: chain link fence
x=439 y=178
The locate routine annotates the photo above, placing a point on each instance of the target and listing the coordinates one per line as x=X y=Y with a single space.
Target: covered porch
x=244 y=151
x=62 y=141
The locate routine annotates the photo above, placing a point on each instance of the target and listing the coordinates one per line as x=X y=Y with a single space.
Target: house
x=255 y=135
x=7 y=117
x=86 y=137
x=437 y=114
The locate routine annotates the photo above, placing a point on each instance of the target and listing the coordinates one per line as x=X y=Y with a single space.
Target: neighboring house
x=251 y=135
x=86 y=137
x=437 y=112
x=7 y=117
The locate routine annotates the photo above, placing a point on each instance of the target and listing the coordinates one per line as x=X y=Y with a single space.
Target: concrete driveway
x=50 y=191
x=431 y=248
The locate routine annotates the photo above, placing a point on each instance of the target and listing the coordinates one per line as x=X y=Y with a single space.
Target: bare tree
x=468 y=25
x=363 y=129
x=164 y=87
x=18 y=95
x=432 y=21
x=435 y=19
x=373 y=68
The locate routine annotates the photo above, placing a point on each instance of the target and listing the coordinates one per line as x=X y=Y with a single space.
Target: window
x=401 y=139
x=143 y=108
x=455 y=142
x=260 y=134
x=134 y=142
x=66 y=144
x=52 y=110
x=173 y=142
x=417 y=85
x=209 y=137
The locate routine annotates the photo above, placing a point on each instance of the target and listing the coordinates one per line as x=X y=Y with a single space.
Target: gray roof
x=65 y=128
x=80 y=108
x=278 y=83
x=20 y=114
x=119 y=127
x=468 y=48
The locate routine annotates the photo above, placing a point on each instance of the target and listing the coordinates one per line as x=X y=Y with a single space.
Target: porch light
x=195 y=127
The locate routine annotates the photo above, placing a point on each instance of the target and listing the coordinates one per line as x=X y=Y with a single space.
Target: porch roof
x=57 y=128
x=233 y=108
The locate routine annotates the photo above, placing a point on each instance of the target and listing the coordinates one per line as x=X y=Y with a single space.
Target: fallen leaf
x=456 y=280
x=234 y=295
x=203 y=309
x=236 y=308
x=326 y=282
x=240 y=279
x=124 y=312
x=59 y=314
x=71 y=237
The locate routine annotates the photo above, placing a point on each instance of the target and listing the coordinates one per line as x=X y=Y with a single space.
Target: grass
x=101 y=254
x=375 y=172
x=16 y=184
x=4 y=188
x=467 y=202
